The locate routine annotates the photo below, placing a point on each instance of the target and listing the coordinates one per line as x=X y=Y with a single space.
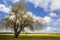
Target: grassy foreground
x=31 y=37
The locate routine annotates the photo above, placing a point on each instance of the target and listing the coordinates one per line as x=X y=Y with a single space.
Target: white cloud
x=49 y=29
x=29 y=13
x=44 y=20
x=40 y=3
x=57 y=22
x=14 y=1
x=47 y=19
x=55 y=4
x=53 y=14
x=36 y=18
x=4 y=30
x=46 y=4
x=5 y=9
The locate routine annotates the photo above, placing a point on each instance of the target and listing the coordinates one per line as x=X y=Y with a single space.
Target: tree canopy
x=19 y=18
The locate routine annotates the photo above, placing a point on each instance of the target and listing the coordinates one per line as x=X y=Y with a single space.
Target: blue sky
x=49 y=10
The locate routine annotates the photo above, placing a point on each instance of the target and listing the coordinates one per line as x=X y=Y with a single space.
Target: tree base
x=15 y=37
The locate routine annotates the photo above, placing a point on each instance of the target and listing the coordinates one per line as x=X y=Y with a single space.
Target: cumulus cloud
x=47 y=30
x=55 y=5
x=46 y=4
x=29 y=13
x=5 y=9
x=14 y=1
x=53 y=14
x=54 y=23
x=57 y=22
x=36 y=18
x=40 y=3
x=47 y=19
x=4 y=30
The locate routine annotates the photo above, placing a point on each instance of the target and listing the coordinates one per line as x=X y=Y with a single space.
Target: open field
x=30 y=37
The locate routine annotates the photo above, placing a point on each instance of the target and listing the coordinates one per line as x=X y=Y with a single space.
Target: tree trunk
x=16 y=34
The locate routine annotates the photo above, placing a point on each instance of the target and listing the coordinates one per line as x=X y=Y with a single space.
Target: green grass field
x=31 y=37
